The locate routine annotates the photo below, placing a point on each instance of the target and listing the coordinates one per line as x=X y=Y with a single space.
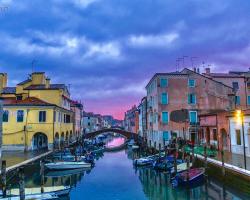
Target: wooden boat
x=34 y=197
x=145 y=161
x=58 y=190
x=67 y=165
x=191 y=176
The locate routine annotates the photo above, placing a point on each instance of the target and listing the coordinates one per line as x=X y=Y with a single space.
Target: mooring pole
x=205 y=155
x=223 y=164
x=42 y=175
x=3 y=177
x=175 y=158
x=188 y=166
x=21 y=184
x=193 y=155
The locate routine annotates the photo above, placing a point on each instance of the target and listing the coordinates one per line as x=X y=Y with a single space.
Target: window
x=19 y=97
x=237 y=100
x=5 y=116
x=191 y=82
x=165 y=117
x=248 y=100
x=163 y=82
x=193 y=117
x=248 y=85
x=54 y=116
x=215 y=134
x=235 y=86
x=238 y=137
x=164 y=98
x=191 y=99
x=20 y=114
x=42 y=116
x=165 y=135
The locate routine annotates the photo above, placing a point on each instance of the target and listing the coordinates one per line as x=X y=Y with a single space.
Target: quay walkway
x=25 y=162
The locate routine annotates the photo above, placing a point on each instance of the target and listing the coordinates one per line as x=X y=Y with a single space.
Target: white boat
x=67 y=165
x=58 y=190
x=33 y=197
x=69 y=157
x=135 y=147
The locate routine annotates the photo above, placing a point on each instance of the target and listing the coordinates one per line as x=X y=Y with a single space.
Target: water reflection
x=115 y=142
x=114 y=177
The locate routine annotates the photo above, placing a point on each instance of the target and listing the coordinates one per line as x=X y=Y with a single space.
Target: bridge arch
x=127 y=134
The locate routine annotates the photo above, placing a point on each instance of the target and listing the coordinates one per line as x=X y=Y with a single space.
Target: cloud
x=104 y=50
x=83 y=3
x=163 y=40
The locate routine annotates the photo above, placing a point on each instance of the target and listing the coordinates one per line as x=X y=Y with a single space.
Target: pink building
x=187 y=90
x=239 y=81
x=77 y=108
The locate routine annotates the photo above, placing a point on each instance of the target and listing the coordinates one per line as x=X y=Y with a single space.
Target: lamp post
x=240 y=118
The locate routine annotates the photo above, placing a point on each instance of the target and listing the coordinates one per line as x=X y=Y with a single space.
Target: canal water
x=115 y=178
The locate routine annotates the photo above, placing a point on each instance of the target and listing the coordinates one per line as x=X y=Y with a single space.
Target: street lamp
x=240 y=120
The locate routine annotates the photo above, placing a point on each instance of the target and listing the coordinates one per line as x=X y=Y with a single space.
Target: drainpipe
x=245 y=80
x=1 y=127
x=54 y=110
x=26 y=132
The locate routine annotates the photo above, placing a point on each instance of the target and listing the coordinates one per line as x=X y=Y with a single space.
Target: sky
x=107 y=50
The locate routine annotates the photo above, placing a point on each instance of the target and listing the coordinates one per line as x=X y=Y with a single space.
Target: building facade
x=131 y=120
x=77 y=109
x=36 y=114
x=186 y=90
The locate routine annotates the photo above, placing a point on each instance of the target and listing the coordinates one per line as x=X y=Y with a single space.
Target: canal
x=115 y=178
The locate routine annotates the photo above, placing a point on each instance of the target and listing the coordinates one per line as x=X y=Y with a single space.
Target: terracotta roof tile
x=25 y=102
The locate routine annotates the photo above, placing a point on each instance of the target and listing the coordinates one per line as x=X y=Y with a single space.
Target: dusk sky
x=107 y=50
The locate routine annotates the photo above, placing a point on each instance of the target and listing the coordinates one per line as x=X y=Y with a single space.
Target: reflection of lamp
x=239 y=115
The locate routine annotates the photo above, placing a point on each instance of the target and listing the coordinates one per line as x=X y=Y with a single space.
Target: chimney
x=198 y=70
x=3 y=81
x=194 y=69
x=47 y=83
x=207 y=70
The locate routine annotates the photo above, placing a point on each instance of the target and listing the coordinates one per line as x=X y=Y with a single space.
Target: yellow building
x=36 y=114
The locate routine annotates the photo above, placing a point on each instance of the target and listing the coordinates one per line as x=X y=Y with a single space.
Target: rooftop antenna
x=192 y=61
x=69 y=86
x=32 y=65
x=183 y=61
x=179 y=59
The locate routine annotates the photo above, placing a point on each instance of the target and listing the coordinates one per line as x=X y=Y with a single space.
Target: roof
x=30 y=101
x=23 y=82
x=166 y=74
x=43 y=87
x=9 y=90
x=210 y=78
x=226 y=75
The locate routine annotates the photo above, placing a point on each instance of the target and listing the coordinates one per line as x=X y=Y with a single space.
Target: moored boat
x=58 y=190
x=181 y=167
x=69 y=172
x=67 y=165
x=190 y=176
x=33 y=197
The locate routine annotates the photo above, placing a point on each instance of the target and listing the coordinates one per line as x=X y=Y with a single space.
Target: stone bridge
x=127 y=134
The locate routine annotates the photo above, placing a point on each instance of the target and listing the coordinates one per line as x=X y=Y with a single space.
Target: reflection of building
x=189 y=90
x=36 y=113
